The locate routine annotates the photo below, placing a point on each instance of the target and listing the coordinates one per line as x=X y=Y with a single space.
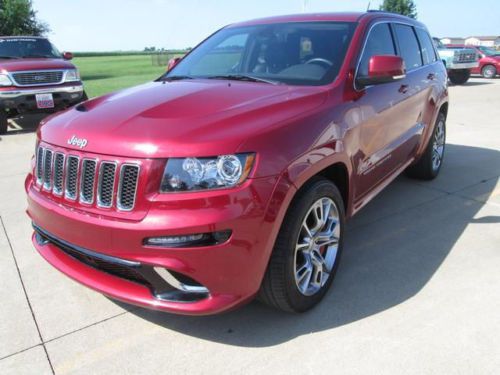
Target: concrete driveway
x=418 y=290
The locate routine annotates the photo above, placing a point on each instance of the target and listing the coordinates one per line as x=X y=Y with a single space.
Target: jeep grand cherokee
x=232 y=175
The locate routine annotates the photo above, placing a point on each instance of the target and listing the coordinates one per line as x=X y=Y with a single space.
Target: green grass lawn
x=104 y=74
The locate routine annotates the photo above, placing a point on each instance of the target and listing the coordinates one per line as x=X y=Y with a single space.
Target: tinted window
x=303 y=53
x=408 y=46
x=379 y=42
x=27 y=47
x=426 y=46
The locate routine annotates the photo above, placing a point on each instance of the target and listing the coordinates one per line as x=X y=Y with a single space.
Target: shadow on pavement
x=24 y=124
x=385 y=263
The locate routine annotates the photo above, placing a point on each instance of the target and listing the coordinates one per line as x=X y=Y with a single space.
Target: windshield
x=305 y=53
x=489 y=51
x=16 y=48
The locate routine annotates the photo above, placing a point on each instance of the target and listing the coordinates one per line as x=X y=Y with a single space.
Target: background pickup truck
x=35 y=78
x=458 y=62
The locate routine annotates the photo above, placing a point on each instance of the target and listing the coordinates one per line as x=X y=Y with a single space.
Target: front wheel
x=489 y=71
x=4 y=123
x=459 y=76
x=429 y=165
x=307 y=251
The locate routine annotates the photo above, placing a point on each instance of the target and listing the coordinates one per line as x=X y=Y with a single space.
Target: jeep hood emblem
x=78 y=142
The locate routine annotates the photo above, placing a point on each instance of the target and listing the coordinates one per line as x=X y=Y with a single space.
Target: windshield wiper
x=9 y=57
x=243 y=77
x=40 y=56
x=174 y=78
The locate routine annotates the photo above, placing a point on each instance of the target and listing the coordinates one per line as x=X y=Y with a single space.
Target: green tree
x=17 y=17
x=404 y=7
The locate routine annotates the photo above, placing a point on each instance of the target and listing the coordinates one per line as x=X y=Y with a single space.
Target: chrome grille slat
x=39 y=165
x=71 y=177
x=58 y=173
x=106 y=184
x=41 y=77
x=129 y=176
x=87 y=180
x=47 y=169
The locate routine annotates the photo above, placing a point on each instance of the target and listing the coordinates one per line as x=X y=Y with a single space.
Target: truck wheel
x=429 y=165
x=3 y=123
x=307 y=251
x=489 y=71
x=459 y=76
x=84 y=96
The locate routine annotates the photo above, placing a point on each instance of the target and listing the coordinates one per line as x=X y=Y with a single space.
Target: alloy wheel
x=317 y=246
x=438 y=145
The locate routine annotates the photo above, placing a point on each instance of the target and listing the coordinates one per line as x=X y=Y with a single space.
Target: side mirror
x=383 y=69
x=67 y=55
x=173 y=62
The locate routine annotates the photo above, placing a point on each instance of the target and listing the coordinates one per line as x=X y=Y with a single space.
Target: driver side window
x=379 y=42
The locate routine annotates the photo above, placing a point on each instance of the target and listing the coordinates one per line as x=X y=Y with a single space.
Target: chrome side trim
x=171 y=280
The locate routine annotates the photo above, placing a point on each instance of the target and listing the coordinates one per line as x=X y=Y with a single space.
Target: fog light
x=189 y=240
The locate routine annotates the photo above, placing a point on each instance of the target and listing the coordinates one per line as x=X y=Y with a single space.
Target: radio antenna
x=368 y=7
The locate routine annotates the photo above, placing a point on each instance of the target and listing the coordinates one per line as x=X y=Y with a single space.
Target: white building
x=486 y=41
x=452 y=40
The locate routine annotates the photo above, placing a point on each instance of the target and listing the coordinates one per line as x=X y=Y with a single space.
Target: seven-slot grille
x=87 y=179
x=38 y=78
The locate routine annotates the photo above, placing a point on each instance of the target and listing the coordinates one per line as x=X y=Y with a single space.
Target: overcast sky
x=106 y=25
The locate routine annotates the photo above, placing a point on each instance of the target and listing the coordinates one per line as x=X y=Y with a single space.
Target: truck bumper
x=23 y=100
x=470 y=65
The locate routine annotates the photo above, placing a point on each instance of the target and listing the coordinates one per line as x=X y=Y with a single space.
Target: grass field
x=104 y=74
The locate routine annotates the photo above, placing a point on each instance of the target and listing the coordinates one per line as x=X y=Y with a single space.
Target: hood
x=179 y=118
x=16 y=65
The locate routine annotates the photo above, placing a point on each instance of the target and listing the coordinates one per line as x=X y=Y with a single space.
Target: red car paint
x=295 y=133
x=483 y=59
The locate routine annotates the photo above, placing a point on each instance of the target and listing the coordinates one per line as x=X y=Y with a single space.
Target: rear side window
x=408 y=46
x=379 y=42
x=426 y=46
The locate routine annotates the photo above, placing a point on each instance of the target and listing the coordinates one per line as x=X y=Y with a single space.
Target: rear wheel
x=459 y=76
x=307 y=251
x=489 y=71
x=429 y=165
x=3 y=123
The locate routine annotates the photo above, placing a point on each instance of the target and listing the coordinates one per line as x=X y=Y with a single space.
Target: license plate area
x=44 y=101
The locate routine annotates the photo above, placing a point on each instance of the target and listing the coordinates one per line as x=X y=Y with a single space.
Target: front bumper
x=23 y=100
x=457 y=65
x=228 y=274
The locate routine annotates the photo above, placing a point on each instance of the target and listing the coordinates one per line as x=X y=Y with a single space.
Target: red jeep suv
x=35 y=77
x=232 y=175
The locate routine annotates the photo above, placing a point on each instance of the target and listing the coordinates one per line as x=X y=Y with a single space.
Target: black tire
x=425 y=168
x=84 y=96
x=3 y=123
x=489 y=71
x=459 y=76
x=279 y=288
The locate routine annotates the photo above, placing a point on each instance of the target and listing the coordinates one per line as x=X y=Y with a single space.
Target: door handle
x=431 y=76
x=403 y=89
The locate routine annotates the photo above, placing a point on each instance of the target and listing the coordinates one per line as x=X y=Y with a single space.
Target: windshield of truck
x=305 y=53
x=18 y=48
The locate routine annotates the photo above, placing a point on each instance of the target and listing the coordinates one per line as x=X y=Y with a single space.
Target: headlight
x=72 y=75
x=5 y=80
x=190 y=174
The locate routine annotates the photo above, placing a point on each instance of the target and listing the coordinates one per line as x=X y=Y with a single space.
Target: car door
x=385 y=117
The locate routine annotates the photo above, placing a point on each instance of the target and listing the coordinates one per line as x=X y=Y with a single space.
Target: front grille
x=58 y=174
x=126 y=191
x=465 y=57
x=38 y=78
x=87 y=179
